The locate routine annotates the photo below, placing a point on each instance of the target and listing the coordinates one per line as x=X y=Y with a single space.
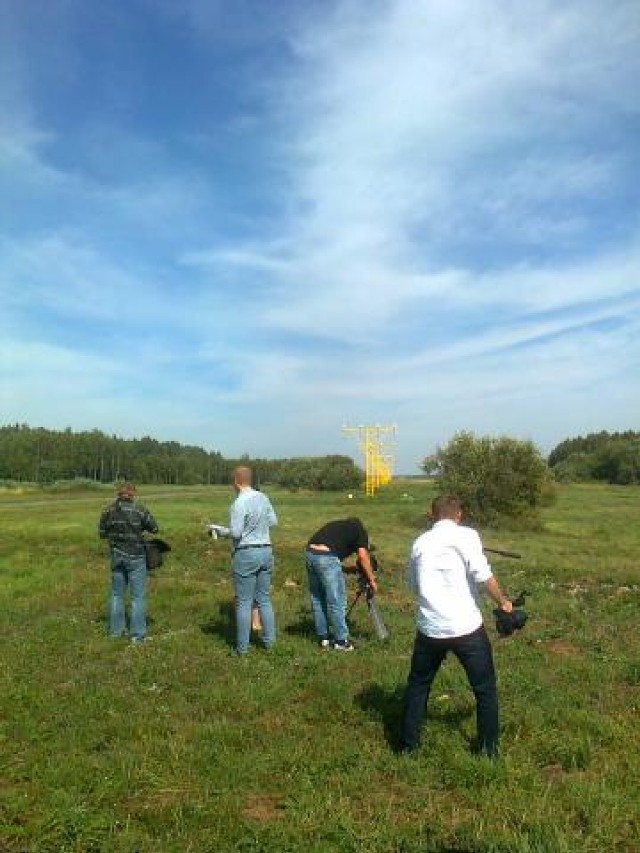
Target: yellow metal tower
x=378 y=460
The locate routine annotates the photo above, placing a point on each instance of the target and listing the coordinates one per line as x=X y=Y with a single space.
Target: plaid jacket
x=122 y=524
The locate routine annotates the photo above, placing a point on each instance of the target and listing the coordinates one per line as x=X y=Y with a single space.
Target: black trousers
x=474 y=653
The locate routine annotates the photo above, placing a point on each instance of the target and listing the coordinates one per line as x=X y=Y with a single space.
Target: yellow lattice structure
x=378 y=458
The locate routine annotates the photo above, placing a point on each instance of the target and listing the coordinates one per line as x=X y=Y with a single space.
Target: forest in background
x=38 y=455
x=606 y=457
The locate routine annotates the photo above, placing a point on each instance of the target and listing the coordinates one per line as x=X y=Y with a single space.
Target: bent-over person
x=326 y=549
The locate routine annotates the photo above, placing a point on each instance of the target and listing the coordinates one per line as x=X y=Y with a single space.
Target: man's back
x=446 y=564
x=252 y=515
x=123 y=524
x=343 y=536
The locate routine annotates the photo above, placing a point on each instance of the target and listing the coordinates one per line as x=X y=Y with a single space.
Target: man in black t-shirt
x=326 y=549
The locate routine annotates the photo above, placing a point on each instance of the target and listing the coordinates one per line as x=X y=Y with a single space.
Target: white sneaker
x=344 y=646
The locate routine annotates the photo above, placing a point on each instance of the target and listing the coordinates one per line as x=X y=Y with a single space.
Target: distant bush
x=80 y=484
x=322 y=473
x=601 y=456
x=500 y=480
x=11 y=485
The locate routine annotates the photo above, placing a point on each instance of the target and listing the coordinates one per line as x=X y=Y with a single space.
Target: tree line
x=599 y=456
x=39 y=455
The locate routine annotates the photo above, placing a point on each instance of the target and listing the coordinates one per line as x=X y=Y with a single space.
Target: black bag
x=155 y=550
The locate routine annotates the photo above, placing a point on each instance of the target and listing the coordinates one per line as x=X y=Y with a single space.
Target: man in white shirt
x=446 y=566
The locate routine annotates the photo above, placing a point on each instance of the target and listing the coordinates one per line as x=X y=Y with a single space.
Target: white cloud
x=258 y=259
x=54 y=274
x=443 y=241
x=20 y=155
x=395 y=117
x=41 y=383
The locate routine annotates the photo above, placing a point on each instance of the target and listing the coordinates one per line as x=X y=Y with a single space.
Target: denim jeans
x=252 y=569
x=474 y=653
x=328 y=595
x=128 y=571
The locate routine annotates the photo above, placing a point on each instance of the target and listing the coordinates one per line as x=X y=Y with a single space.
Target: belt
x=244 y=547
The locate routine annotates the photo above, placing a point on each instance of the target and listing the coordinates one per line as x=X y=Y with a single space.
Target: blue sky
x=245 y=223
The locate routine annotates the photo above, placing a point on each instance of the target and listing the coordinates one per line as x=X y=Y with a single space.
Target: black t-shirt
x=344 y=536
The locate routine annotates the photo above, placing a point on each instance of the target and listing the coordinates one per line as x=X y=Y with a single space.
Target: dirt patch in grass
x=161 y=799
x=555 y=772
x=394 y=799
x=264 y=808
x=272 y=723
x=564 y=649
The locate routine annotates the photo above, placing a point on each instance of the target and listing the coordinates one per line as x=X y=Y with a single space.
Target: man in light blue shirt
x=251 y=518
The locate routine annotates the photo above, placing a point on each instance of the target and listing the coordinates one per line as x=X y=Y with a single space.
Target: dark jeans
x=474 y=653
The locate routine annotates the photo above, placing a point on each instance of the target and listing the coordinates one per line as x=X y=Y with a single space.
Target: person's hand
x=373 y=584
x=507 y=606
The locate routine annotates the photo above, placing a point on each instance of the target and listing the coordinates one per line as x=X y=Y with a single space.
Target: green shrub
x=499 y=480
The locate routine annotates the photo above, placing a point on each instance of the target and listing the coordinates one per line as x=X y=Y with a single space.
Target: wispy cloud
x=421 y=129
x=400 y=210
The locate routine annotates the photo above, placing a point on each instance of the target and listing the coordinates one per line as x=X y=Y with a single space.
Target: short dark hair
x=126 y=490
x=446 y=506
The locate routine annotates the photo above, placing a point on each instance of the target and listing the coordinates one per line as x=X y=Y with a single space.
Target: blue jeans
x=328 y=595
x=252 y=569
x=474 y=653
x=128 y=571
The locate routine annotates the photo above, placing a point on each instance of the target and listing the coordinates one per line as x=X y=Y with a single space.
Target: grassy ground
x=178 y=746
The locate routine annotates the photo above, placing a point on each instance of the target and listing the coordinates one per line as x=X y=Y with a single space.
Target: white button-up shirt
x=447 y=562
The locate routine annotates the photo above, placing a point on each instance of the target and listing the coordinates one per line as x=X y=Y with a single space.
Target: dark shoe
x=482 y=752
x=408 y=750
x=343 y=646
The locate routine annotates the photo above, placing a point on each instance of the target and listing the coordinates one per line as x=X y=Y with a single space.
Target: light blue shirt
x=251 y=517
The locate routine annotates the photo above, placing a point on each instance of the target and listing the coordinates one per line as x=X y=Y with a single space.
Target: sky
x=243 y=224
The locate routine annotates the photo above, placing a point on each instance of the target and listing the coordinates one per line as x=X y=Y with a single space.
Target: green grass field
x=176 y=745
